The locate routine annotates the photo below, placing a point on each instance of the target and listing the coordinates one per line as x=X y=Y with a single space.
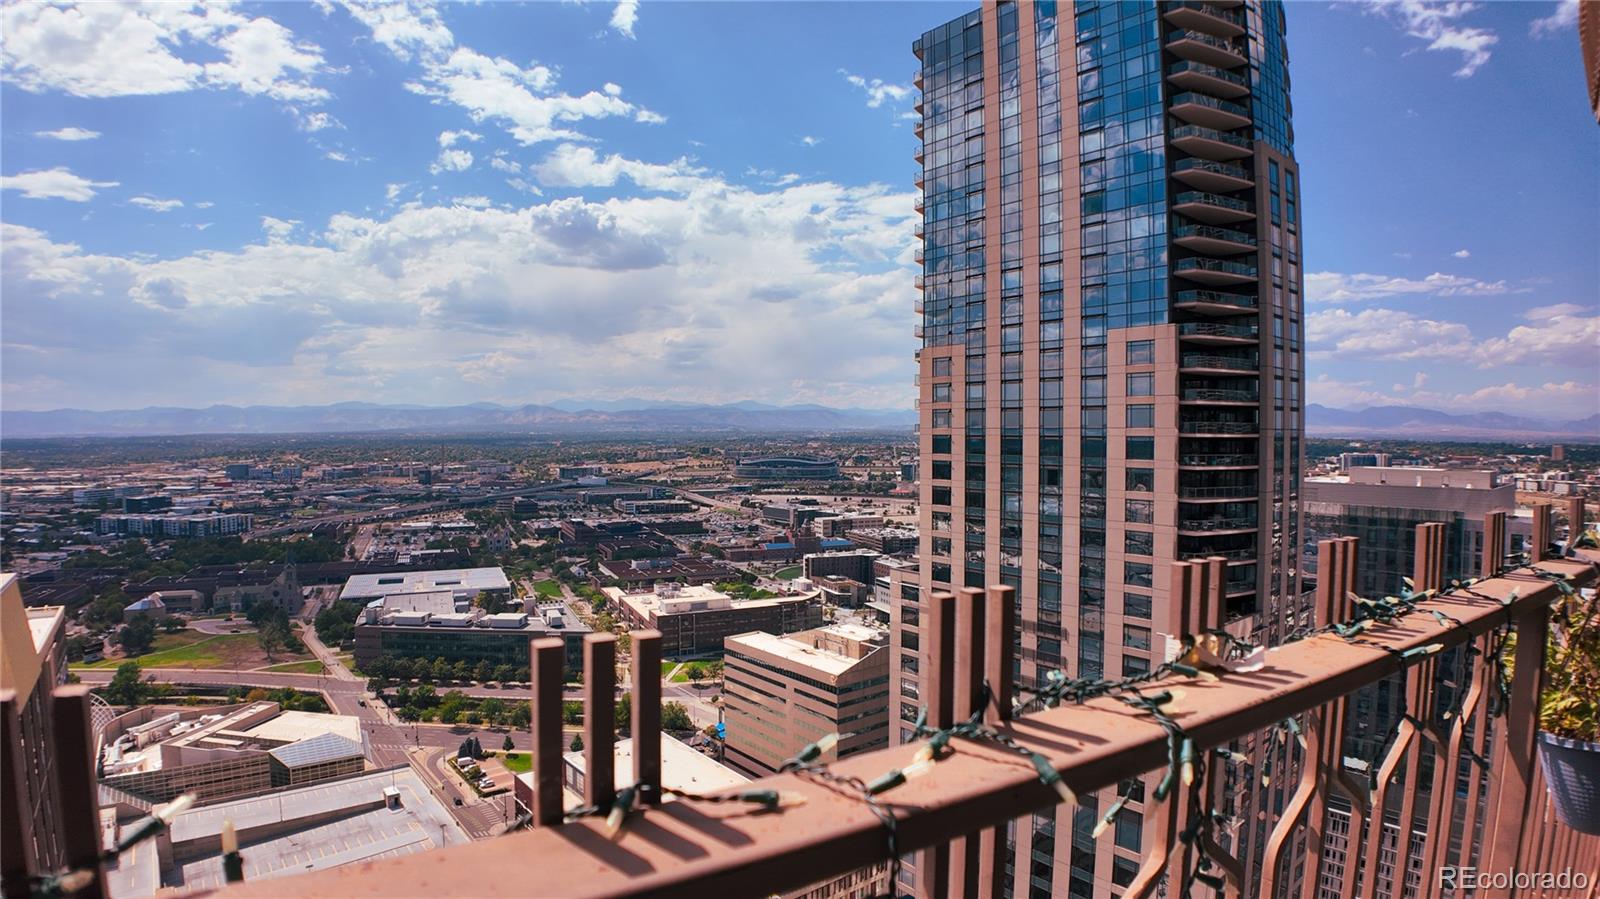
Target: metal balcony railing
x=1224 y=169
x=1216 y=297
x=1218 y=460
x=1211 y=134
x=1230 y=491
x=1233 y=109
x=1199 y=68
x=1214 y=233
x=1209 y=199
x=1198 y=37
x=1219 y=395
x=1206 y=360
x=1232 y=555
x=1216 y=524
x=1217 y=427
x=1458 y=778
x=1217 y=329
x=1231 y=16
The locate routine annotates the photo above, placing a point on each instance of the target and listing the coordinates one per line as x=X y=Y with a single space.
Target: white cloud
x=1553 y=399
x=70 y=133
x=624 y=15
x=452 y=161
x=1558 y=336
x=647 y=117
x=501 y=164
x=1335 y=287
x=810 y=141
x=1440 y=25
x=124 y=49
x=879 y=91
x=706 y=290
x=53 y=184
x=317 y=121
x=278 y=230
x=156 y=205
x=1383 y=334
x=404 y=28
x=204 y=204
x=336 y=156
x=451 y=138
x=1462 y=254
x=570 y=165
x=390 y=191
x=1564 y=17
x=473 y=202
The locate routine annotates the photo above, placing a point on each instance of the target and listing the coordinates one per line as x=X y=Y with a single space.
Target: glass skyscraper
x=1111 y=367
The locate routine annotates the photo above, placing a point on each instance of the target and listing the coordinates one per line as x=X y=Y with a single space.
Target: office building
x=1348 y=461
x=210 y=524
x=33 y=662
x=461 y=583
x=150 y=755
x=1383 y=507
x=438 y=625
x=787 y=468
x=851 y=563
x=695 y=620
x=782 y=693
x=1111 y=367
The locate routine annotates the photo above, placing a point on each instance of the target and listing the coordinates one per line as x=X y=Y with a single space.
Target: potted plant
x=1569 y=712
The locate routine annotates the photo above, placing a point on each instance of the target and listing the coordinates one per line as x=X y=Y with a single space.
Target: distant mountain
x=567 y=416
x=1413 y=421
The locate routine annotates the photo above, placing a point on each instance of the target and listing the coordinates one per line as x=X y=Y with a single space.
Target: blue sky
x=303 y=203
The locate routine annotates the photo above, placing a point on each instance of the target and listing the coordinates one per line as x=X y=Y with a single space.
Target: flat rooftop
x=795 y=652
x=291 y=727
x=455 y=580
x=43 y=622
x=366 y=833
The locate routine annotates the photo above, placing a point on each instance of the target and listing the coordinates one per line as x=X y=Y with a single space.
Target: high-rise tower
x=1111 y=367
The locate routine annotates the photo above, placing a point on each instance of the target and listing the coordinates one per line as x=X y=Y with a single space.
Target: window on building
x=1136 y=605
x=1141 y=352
x=1139 y=543
x=1139 y=511
x=941 y=367
x=1143 y=384
x=1130 y=830
x=1138 y=574
x=1141 y=416
x=941 y=443
x=1135 y=636
x=1140 y=448
x=1141 y=480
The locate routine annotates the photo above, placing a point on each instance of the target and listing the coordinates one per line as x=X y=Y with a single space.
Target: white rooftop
x=794 y=651
x=292 y=726
x=461 y=582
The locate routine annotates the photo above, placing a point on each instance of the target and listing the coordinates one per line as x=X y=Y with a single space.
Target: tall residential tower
x=1111 y=367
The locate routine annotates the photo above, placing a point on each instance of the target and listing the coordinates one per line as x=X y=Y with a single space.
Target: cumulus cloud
x=156 y=205
x=451 y=138
x=522 y=100
x=1335 y=287
x=571 y=165
x=53 y=184
x=125 y=49
x=1553 y=399
x=810 y=141
x=1462 y=254
x=878 y=91
x=1384 y=334
x=1561 y=335
x=70 y=134
x=1441 y=25
x=452 y=161
x=1565 y=16
x=706 y=290
x=624 y=15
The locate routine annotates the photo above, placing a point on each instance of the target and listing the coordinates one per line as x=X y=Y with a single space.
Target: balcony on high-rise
x=1217 y=272
x=1209 y=112
x=1197 y=46
x=1215 y=302
x=1209 y=143
x=1213 y=240
x=1212 y=209
x=1211 y=18
x=1211 y=175
x=1197 y=76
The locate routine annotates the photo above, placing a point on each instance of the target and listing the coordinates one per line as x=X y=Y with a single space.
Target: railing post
x=76 y=785
x=1575 y=511
x=646 y=712
x=546 y=658
x=600 y=719
x=1543 y=532
x=964 y=852
x=17 y=862
x=999 y=656
x=933 y=868
x=1513 y=775
x=1494 y=544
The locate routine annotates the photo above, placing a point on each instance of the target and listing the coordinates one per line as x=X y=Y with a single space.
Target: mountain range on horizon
x=579 y=416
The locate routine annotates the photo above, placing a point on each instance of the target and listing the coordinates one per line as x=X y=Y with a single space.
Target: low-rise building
x=851 y=563
x=782 y=693
x=654 y=506
x=787 y=468
x=462 y=583
x=635 y=574
x=438 y=626
x=695 y=620
x=212 y=524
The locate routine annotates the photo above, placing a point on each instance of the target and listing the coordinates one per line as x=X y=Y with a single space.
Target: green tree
x=137 y=636
x=493 y=709
x=126 y=687
x=106 y=609
x=624 y=722
x=482 y=672
x=504 y=673
x=508 y=745
x=577 y=743
x=696 y=672
x=440 y=670
x=675 y=717
x=449 y=713
x=521 y=715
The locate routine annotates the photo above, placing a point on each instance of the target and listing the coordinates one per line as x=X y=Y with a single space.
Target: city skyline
x=719 y=257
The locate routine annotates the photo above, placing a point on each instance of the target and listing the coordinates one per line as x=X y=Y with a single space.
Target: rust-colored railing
x=1458 y=787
